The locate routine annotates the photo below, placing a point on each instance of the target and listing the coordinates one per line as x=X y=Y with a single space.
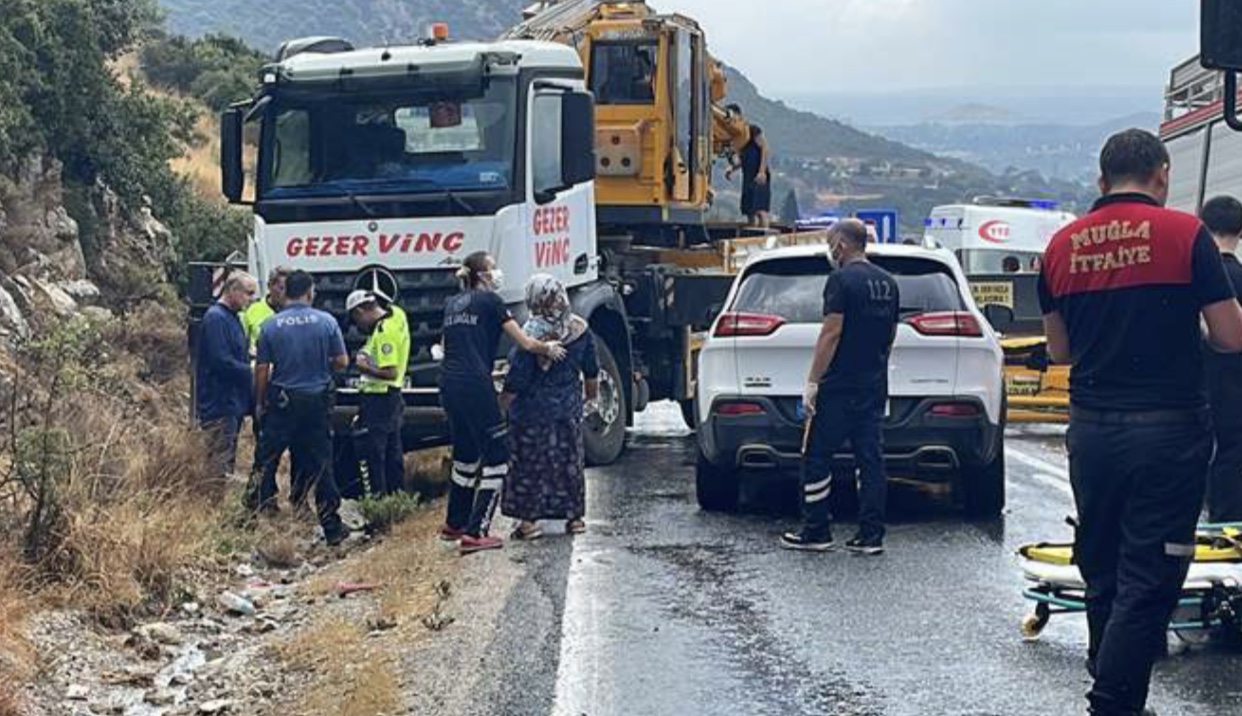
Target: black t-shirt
x=1233 y=269
x=868 y=299
x=473 y=323
x=1130 y=280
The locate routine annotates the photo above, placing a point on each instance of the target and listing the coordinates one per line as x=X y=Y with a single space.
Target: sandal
x=526 y=535
x=575 y=527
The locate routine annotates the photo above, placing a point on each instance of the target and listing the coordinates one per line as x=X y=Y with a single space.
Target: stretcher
x=1211 y=600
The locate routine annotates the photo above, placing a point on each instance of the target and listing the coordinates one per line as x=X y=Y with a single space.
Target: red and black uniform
x=1224 y=381
x=1130 y=280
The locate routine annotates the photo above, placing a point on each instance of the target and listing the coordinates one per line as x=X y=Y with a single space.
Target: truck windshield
x=333 y=144
x=623 y=72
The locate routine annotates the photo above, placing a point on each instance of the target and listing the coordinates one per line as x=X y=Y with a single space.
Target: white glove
x=809 y=394
x=437 y=353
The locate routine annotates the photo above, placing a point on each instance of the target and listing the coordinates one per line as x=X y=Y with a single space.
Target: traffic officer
x=1223 y=217
x=846 y=391
x=298 y=351
x=383 y=362
x=1122 y=291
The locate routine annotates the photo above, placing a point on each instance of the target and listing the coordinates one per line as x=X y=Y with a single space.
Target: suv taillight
x=946 y=323
x=747 y=324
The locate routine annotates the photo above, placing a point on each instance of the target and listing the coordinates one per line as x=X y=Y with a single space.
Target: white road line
x=1044 y=472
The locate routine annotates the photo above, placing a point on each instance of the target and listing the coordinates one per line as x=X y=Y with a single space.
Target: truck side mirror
x=577 y=138
x=1220 y=48
x=232 y=172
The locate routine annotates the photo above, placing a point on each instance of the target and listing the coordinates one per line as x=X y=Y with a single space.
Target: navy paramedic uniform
x=300 y=344
x=852 y=395
x=473 y=323
x=1224 y=379
x=1130 y=280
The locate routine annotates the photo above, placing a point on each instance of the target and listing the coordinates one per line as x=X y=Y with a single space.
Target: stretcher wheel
x=1033 y=624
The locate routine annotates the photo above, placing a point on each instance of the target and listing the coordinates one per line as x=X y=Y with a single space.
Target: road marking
x=1044 y=472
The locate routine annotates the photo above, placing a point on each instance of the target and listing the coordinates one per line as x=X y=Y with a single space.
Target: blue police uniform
x=300 y=344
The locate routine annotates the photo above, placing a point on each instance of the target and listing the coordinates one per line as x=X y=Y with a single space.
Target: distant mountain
x=267 y=23
x=1056 y=150
x=974 y=113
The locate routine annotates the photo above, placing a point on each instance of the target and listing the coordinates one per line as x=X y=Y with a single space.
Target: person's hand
x=590 y=407
x=809 y=394
x=437 y=353
x=364 y=361
x=762 y=179
x=555 y=351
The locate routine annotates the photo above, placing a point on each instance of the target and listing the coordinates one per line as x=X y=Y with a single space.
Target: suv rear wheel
x=717 y=489
x=984 y=486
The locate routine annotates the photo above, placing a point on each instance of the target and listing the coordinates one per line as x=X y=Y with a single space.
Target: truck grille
x=421 y=293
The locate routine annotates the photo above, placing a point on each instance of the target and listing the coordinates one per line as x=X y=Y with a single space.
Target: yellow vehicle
x=659 y=121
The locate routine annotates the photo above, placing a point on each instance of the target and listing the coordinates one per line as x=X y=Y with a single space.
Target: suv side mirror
x=1001 y=317
x=232 y=172
x=577 y=138
x=1220 y=48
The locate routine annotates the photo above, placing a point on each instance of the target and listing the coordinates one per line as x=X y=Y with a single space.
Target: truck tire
x=984 y=487
x=717 y=489
x=689 y=414
x=603 y=435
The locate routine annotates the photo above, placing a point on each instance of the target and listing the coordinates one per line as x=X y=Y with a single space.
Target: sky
x=801 y=47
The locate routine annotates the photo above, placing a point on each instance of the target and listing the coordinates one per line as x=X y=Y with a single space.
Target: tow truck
x=383 y=168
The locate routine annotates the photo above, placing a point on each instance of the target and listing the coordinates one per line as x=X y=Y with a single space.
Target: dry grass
x=200 y=163
x=17 y=659
x=350 y=675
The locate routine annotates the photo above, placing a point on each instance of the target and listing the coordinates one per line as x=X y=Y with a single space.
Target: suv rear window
x=794 y=288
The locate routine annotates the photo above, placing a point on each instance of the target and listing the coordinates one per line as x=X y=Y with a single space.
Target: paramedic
x=1223 y=217
x=1122 y=291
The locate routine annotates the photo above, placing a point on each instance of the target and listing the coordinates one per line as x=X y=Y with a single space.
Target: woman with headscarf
x=474 y=321
x=547 y=403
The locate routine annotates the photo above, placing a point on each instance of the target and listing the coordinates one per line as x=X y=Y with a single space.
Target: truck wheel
x=985 y=486
x=604 y=435
x=688 y=413
x=717 y=489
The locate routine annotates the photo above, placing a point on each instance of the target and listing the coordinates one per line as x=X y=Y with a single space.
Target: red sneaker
x=451 y=534
x=470 y=545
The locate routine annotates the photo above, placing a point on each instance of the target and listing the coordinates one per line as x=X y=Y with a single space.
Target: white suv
x=945 y=417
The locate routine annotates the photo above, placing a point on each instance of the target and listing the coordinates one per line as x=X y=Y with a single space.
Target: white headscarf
x=551 y=317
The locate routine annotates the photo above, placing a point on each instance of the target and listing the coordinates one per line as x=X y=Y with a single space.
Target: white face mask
x=497 y=279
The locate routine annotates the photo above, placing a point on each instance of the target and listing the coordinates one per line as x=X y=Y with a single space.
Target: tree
x=789 y=208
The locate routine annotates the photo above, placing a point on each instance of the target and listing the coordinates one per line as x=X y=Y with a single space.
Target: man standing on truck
x=846 y=391
x=299 y=350
x=1223 y=217
x=383 y=362
x=222 y=383
x=1122 y=292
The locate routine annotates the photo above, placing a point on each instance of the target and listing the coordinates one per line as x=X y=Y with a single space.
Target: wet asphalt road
x=664 y=609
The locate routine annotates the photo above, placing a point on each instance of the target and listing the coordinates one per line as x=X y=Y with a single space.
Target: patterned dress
x=546 y=481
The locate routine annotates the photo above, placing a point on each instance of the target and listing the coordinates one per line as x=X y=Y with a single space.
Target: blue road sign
x=885 y=223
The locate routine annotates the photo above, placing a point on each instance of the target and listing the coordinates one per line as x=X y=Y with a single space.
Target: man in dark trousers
x=383 y=362
x=1223 y=217
x=299 y=349
x=222 y=372
x=1122 y=291
x=846 y=392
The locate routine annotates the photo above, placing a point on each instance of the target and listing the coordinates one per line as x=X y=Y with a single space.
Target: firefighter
x=299 y=349
x=383 y=362
x=1122 y=291
x=1223 y=217
x=474 y=321
x=846 y=391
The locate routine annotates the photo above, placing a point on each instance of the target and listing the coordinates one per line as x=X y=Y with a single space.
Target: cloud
x=800 y=46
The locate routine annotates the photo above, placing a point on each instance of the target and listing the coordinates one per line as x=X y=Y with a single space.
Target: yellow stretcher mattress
x=1224 y=546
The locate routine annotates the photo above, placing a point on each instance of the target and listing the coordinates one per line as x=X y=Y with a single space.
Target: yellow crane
x=660 y=117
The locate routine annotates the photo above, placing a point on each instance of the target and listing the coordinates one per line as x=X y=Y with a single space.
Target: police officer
x=846 y=391
x=1122 y=291
x=383 y=362
x=1223 y=217
x=298 y=351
